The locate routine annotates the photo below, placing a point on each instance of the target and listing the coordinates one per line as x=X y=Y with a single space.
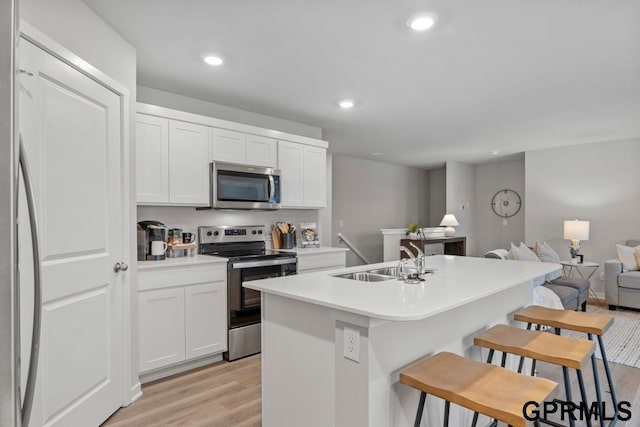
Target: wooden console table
x=452 y=245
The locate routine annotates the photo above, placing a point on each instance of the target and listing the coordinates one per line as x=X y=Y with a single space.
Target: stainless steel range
x=248 y=260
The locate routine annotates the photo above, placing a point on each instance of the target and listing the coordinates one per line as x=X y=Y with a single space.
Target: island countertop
x=456 y=281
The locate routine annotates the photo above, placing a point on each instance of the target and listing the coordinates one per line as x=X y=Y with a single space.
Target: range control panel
x=226 y=233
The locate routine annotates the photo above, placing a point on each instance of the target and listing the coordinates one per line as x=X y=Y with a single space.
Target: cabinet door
x=290 y=157
x=314 y=177
x=162 y=335
x=188 y=163
x=152 y=159
x=229 y=146
x=261 y=151
x=206 y=319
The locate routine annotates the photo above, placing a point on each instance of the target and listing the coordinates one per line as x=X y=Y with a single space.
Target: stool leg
x=583 y=395
x=521 y=364
x=475 y=420
x=596 y=381
x=490 y=357
x=606 y=369
x=567 y=388
x=423 y=397
x=503 y=363
x=447 y=405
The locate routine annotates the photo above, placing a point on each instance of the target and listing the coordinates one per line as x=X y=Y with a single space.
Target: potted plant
x=414 y=231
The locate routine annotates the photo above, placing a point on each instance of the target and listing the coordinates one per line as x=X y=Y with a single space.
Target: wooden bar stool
x=590 y=324
x=570 y=353
x=484 y=388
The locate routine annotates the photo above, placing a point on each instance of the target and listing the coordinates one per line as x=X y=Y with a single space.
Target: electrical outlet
x=351 y=344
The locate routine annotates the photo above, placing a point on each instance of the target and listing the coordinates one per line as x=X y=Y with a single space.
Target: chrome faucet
x=417 y=261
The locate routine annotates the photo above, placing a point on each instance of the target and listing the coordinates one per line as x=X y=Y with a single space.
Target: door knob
x=120 y=266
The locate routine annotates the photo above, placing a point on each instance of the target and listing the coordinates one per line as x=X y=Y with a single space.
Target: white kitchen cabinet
x=172 y=162
x=162 y=328
x=229 y=146
x=303 y=179
x=152 y=159
x=262 y=151
x=188 y=164
x=314 y=177
x=238 y=147
x=205 y=324
x=182 y=314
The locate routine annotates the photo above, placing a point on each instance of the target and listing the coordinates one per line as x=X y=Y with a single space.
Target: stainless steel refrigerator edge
x=9 y=333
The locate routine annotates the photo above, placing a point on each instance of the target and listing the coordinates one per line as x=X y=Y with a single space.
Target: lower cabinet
x=180 y=323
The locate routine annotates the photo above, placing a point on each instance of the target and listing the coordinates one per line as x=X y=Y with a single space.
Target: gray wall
x=196 y=106
x=461 y=200
x=369 y=195
x=437 y=196
x=596 y=182
x=493 y=232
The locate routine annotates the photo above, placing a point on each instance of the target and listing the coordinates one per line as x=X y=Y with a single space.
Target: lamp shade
x=449 y=220
x=576 y=230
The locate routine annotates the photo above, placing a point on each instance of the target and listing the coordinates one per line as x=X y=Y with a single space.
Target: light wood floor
x=228 y=394
x=223 y=394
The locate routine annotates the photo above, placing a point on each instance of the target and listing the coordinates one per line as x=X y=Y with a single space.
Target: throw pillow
x=528 y=253
x=546 y=253
x=520 y=254
x=627 y=256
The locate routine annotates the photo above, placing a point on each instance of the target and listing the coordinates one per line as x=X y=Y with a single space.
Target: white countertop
x=312 y=251
x=457 y=280
x=181 y=261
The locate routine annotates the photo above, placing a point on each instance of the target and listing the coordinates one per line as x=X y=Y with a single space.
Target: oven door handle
x=263 y=263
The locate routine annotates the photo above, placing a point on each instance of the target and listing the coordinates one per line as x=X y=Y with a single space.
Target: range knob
x=253 y=232
x=259 y=231
x=216 y=233
x=209 y=233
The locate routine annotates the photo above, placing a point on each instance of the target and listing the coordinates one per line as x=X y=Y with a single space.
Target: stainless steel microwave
x=236 y=186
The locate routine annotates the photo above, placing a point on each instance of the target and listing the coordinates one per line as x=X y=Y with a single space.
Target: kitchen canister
x=286 y=240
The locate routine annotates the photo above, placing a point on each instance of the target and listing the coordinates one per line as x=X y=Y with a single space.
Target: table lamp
x=449 y=221
x=576 y=231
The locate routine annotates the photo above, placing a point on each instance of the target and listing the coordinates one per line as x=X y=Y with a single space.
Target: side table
x=585 y=270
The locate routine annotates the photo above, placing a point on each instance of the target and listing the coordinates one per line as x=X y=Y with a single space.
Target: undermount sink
x=378 y=274
x=365 y=276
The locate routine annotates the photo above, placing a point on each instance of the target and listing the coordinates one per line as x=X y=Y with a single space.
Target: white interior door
x=71 y=128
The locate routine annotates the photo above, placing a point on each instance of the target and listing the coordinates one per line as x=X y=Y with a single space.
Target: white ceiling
x=508 y=75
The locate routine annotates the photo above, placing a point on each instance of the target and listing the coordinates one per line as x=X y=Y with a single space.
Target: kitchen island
x=306 y=378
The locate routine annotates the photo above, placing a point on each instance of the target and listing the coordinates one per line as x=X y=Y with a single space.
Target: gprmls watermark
x=581 y=411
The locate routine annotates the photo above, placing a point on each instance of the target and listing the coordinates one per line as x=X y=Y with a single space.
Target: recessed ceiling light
x=376 y=154
x=422 y=22
x=347 y=103
x=213 y=60
x=494 y=152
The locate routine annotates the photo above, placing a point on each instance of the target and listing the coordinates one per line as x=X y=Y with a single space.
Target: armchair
x=621 y=288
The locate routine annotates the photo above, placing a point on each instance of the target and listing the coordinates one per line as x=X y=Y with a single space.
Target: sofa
x=622 y=288
x=572 y=291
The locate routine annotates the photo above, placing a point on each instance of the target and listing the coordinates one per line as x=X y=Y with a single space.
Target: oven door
x=244 y=187
x=244 y=304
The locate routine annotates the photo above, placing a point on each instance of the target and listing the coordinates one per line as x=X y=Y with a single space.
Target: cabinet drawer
x=321 y=261
x=180 y=276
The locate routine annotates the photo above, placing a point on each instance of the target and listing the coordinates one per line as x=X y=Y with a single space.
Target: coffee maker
x=151 y=241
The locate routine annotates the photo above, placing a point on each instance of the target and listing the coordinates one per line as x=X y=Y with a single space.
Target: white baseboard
x=177 y=368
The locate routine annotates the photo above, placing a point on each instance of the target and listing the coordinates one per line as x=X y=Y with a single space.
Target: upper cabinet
x=237 y=147
x=303 y=175
x=172 y=166
x=174 y=150
x=152 y=159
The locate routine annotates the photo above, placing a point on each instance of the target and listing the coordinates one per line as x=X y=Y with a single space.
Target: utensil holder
x=287 y=240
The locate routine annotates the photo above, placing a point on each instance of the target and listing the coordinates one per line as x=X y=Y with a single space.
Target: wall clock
x=506 y=203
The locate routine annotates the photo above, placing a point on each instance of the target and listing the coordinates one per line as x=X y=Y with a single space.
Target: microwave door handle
x=272 y=188
x=37 y=291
